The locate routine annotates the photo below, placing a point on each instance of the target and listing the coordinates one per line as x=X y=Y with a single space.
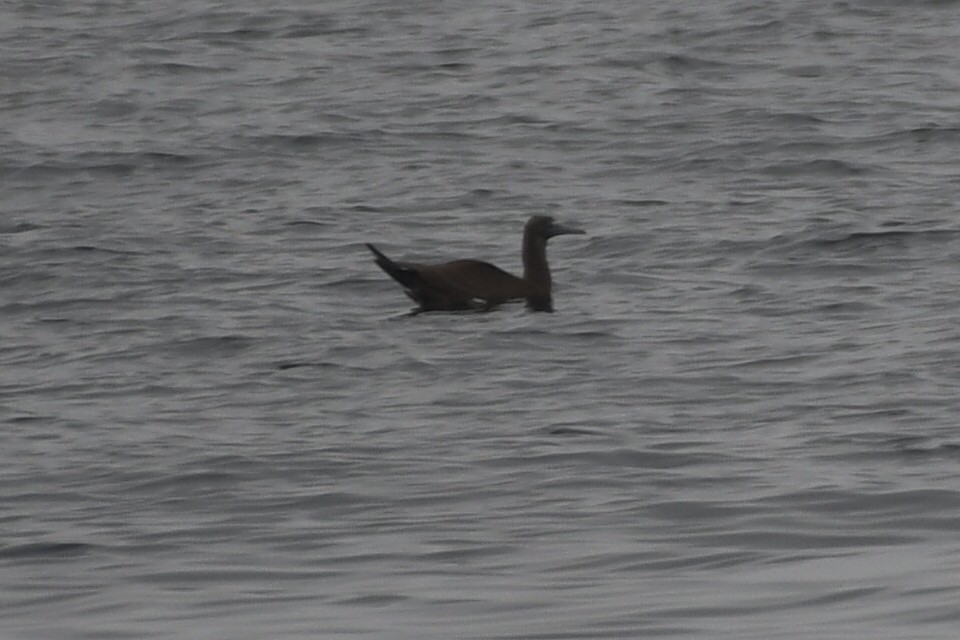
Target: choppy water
x=740 y=423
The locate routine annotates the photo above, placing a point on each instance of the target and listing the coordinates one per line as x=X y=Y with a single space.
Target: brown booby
x=471 y=284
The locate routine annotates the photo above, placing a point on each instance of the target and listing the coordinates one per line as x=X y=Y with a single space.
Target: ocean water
x=217 y=420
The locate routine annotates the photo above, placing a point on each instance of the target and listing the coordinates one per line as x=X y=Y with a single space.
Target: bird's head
x=546 y=227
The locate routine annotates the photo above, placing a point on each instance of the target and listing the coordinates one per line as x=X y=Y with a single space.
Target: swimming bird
x=474 y=285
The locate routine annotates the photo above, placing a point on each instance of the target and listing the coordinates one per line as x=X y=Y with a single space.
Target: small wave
x=112 y=108
x=929 y=133
x=679 y=62
x=243 y=33
x=18 y=227
x=373 y=600
x=808 y=71
x=642 y=203
x=178 y=484
x=861 y=446
x=86 y=248
x=26 y=419
x=307 y=223
x=778 y=362
x=53 y=170
x=562 y=430
x=830 y=502
x=614 y=458
x=303 y=364
x=820 y=167
x=309 y=28
x=175 y=68
x=93 y=164
x=862 y=239
x=309 y=142
x=45 y=550
x=794 y=118
x=811 y=246
x=210 y=345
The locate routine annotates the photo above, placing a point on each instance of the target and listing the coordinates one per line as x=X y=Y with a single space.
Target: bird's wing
x=473 y=279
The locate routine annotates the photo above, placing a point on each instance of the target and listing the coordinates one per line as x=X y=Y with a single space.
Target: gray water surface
x=217 y=422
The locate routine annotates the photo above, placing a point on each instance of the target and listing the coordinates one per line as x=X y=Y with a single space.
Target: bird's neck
x=536 y=273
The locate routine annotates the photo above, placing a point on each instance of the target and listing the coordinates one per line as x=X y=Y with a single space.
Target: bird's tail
x=381 y=259
x=403 y=275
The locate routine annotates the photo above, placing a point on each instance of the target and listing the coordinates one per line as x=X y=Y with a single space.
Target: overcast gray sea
x=741 y=422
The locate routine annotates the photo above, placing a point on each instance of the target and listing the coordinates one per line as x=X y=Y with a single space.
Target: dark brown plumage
x=471 y=284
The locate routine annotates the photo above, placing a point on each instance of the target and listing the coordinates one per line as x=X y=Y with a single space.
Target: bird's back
x=457 y=285
x=476 y=279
